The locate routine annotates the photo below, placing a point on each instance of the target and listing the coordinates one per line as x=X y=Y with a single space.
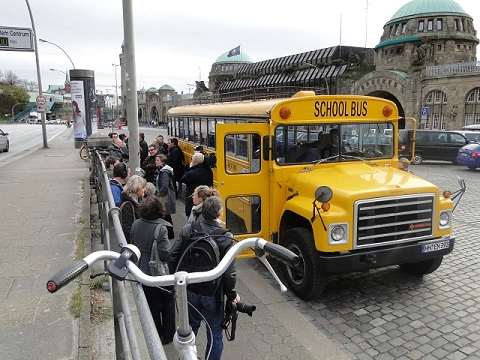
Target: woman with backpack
x=198 y=243
x=144 y=231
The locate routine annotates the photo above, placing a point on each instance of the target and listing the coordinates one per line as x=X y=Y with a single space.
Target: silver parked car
x=4 y=142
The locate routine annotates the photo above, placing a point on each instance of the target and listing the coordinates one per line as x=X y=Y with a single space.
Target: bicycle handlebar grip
x=64 y=276
x=282 y=254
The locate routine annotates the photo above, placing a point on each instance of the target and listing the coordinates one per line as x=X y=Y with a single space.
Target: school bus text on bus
x=340 y=108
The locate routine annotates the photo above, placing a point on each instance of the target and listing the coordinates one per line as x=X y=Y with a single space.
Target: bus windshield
x=310 y=143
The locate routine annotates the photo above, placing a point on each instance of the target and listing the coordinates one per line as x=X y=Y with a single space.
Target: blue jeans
x=214 y=315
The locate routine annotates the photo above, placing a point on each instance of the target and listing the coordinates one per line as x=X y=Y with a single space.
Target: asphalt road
x=25 y=138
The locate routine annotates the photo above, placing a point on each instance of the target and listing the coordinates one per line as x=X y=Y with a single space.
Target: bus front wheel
x=306 y=279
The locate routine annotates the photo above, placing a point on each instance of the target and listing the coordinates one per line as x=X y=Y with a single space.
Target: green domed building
x=426 y=63
x=225 y=68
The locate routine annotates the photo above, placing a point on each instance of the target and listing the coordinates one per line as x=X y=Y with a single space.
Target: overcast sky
x=176 y=42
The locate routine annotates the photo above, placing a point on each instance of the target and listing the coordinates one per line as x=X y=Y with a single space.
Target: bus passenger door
x=243 y=178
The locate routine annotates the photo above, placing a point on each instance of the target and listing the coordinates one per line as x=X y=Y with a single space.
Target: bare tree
x=28 y=85
x=10 y=78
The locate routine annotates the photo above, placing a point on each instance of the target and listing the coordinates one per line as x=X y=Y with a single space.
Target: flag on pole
x=233 y=52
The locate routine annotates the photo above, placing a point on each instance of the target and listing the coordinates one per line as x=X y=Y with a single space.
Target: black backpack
x=201 y=253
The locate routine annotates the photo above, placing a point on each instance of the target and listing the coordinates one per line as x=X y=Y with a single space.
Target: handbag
x=157 y=266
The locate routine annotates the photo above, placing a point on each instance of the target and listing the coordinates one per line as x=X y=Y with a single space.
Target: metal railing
x=113 y=239
x=451 y=69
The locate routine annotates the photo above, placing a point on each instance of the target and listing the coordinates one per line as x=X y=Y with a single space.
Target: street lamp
x=48 y=42
x=67 y=78
x=116 y=90
x=327 y=86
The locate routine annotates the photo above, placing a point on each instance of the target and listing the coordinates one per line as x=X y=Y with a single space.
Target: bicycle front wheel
x=84 y=154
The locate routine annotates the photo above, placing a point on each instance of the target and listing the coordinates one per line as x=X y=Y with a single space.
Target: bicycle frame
x=122 y=266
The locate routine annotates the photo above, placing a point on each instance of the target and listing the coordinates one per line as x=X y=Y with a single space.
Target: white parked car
x=4 y=142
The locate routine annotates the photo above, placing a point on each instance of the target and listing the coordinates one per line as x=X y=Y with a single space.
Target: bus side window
x=211 y=140
x=230 y=145
x=211 y=133
x=242 y=145
x=243 y=214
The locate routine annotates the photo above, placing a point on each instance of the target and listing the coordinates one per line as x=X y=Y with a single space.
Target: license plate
x=441 y=245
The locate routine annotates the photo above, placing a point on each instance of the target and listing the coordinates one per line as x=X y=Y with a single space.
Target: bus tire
x=422 y=267
x=305 y=280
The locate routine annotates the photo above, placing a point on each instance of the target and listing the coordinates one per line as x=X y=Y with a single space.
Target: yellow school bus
x=320 y=175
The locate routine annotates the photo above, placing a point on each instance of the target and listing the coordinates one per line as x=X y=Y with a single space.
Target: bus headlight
x=444 y=220
x=338 y=234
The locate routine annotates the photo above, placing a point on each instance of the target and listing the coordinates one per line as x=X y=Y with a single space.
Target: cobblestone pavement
x=388 y=314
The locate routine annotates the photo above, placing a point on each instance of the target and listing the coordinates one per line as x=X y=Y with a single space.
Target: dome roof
x=240 y=58
x=421 y=7
x=152 y=89
x=166 y=87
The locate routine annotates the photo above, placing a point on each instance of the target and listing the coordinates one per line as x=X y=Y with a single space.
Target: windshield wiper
x=340 y=157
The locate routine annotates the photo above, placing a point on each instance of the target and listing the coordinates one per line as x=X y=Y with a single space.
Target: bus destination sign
x=15 y=39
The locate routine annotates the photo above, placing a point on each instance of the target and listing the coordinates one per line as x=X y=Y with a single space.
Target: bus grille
x=386 y=221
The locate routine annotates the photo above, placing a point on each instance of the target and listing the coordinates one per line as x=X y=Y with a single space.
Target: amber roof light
x=285 y=112
x=387 y=111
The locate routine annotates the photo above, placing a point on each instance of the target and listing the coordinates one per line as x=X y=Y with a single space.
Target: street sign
x=16 y=39
x=41 y=108
x=41 y=100
x=424 y=111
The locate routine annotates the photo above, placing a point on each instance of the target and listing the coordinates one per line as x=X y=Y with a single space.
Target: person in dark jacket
x=143 y=147
x=160 y=301
x=166 y=189
x=116 y=148
x=162 y=145
x=197 y=174
x=175 y=160
x=210 y=305
x=133 y=190
x=148 y=165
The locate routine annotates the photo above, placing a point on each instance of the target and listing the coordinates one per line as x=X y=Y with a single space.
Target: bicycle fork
x=184 y=339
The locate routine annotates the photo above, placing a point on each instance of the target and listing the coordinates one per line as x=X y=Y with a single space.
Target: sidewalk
x=42 y=204
x=45 y=201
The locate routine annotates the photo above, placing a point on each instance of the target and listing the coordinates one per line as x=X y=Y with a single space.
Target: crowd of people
x=149 y=201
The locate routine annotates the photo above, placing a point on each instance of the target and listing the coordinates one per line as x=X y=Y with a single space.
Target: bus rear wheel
x=422 y=267
x=306 y=279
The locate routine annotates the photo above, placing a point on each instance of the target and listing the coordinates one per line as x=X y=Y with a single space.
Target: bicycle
x=123 y=264
x=85 y=150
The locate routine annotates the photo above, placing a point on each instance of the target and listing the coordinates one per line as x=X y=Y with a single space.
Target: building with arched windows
x=425 y=62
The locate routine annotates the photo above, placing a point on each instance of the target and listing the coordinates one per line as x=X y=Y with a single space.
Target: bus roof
x=260 y=108
x=347 y=106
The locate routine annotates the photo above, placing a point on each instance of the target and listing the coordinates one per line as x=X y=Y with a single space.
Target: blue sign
x=425 y=111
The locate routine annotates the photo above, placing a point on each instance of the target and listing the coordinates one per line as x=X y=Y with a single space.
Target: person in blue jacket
x=120 y=177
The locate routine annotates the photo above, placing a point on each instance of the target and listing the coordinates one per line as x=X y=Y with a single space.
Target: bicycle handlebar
x=64 y=276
